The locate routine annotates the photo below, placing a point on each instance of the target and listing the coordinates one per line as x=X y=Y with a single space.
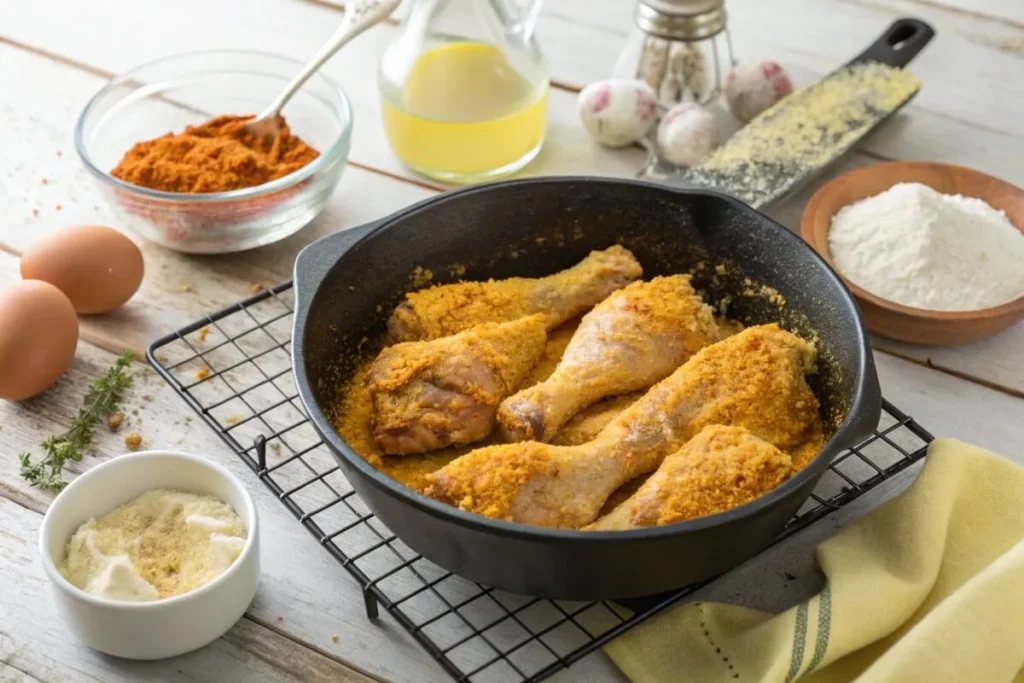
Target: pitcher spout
x=518 y=16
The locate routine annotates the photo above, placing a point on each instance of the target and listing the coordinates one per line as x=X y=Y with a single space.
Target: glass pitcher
x=464 y=89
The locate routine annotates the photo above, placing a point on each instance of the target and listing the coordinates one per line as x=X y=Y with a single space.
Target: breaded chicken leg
x=637 y=336
x=755 y=379
x=449 y=309
x=432 y=394
x=717 y=470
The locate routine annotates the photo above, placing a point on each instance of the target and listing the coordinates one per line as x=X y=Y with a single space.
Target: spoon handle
x=359 y=16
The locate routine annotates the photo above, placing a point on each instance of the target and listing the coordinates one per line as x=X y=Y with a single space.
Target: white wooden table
x=54 y=54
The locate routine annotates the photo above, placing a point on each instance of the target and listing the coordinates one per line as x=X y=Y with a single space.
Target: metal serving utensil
x=359 y=16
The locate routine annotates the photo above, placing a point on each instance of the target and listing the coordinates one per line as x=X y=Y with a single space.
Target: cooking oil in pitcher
x=462 y=110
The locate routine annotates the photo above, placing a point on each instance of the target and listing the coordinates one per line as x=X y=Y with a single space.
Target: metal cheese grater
x=681 y=48
x=794 y=141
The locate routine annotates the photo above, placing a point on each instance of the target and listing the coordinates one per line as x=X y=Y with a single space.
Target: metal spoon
x=359 y=16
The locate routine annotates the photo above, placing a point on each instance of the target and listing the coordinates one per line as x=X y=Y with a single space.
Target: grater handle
x=899 y=44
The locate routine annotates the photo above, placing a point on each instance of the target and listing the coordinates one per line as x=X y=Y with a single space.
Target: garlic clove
x=752 y=88
x=687 y=133
x=617 y=112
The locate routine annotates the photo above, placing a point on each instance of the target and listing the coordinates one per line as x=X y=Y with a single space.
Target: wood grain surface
x=54 y=55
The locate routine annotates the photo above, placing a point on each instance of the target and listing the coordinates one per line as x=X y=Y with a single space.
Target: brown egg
x=38 y=335
x=97 y=267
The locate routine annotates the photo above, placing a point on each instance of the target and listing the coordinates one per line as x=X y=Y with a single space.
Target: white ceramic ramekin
x=163 y=628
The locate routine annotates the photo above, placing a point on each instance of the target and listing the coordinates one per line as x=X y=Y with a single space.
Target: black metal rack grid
x=234 y=369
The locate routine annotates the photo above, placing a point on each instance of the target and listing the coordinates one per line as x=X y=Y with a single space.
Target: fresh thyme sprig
x=103 y=399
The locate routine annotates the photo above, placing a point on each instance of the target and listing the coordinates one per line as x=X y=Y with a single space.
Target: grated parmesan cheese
x=160 y=544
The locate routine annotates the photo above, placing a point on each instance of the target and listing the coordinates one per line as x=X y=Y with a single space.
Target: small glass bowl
x=170 y=93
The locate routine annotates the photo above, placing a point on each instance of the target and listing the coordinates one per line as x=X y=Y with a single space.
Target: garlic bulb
x=617 y=112
x=687 y=133
x=752 y=88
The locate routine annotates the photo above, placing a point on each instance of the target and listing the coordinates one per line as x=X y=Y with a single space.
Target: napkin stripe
x=799 y=641
x=824 y=627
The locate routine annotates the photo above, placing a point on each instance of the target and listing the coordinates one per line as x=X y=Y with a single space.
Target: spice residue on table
x=216 y=156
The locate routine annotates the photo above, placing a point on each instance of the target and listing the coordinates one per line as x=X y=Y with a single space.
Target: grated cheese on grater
x=804 y=132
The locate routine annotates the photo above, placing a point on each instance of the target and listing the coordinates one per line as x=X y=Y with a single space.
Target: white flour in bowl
x=924 y=249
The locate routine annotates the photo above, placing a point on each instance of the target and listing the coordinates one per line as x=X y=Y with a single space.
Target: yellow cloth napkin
x=927 y=587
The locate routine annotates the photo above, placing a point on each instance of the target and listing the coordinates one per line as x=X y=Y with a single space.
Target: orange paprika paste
x=216 y=156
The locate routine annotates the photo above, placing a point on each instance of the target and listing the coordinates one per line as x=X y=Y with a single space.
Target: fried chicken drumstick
x=717 y=470
x=755 y=379
x=448 y=309
x=637 y=336
x=433 y=394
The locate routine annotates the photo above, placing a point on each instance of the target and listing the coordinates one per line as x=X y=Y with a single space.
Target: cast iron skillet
x=347 y=284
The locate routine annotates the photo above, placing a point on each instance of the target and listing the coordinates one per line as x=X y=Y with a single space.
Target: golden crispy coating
x=490 y=491
x=432 y=394
x=718 y=469
x=805 y=452
x=634 y=338
x=449 y=309
x=754 y=379
x=353 y=418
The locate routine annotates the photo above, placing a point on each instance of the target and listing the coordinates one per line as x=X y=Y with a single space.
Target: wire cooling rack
x=233 y=368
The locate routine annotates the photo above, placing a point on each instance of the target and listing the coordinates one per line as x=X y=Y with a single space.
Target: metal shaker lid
x=681 y=19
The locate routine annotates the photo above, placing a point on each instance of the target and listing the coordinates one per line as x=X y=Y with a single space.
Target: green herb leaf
x=103 y=399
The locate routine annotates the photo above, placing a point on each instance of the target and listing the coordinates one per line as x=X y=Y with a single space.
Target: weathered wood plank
x=582 y=42
x=44 y=172
x=948 y=406
x=178 y=288
x=828 y=29
x=996 y=12
x=968 y=120
x=294 y=29
x=315 y=598
x=36 y=646
x=40 y=123
x=306 y=587
x=304 y=593
x=998 y=360
x=967 y=411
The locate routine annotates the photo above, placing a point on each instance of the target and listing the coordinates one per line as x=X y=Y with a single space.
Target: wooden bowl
x=889 y=319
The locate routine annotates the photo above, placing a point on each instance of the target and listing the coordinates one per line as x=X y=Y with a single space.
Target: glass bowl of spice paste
x=166 y=142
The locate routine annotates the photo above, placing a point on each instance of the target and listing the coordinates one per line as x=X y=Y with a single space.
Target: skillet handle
x=866 y=413
x=316 y=260
x=899 y=44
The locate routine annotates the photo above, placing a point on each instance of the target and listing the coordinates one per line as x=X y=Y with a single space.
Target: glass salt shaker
x=681 y=48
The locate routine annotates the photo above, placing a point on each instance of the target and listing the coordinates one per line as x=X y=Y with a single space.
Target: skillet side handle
x=313 y=263
x=867 y=412
x=899 y=44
